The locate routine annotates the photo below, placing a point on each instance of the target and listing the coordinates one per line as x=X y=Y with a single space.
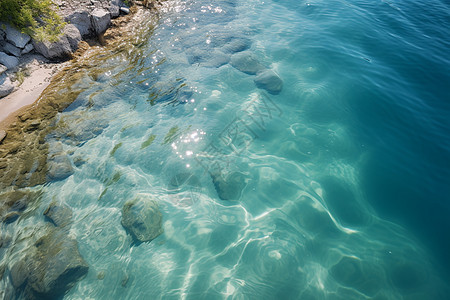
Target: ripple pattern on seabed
x=257 y=182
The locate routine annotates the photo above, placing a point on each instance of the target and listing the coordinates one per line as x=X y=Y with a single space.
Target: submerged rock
x=59 y=167
x=213 y=59
x=246 y=62
x=269 y=81
x=237 y=45
x=59 y=215
x=16 y=200
x=5 y=240
x=11 y=217
x=142 y=219
x=229 y=187
x=51 y=268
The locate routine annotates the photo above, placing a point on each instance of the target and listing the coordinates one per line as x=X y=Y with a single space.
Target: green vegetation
x=20 y=76
x=148 y=142
x=34 y=17
x=115 y=149
x=171 y=135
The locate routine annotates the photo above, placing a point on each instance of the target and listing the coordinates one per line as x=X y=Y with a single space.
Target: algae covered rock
x=142 y=219
x=52 y=266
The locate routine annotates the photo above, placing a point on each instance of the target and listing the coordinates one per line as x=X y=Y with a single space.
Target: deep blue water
x=338 y=187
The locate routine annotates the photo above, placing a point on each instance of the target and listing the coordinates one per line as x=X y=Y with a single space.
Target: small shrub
x=34 y=17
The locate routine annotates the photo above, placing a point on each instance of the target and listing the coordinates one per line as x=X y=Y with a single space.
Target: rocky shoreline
x=52 y=264
x=85 y=20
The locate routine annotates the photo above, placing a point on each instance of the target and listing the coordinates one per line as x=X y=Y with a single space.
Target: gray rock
x=8 y=61
x=59 y=215
x=51 y=267
x=28 y=48
x=142 y=219
x=2 y=69
x=59 y=167
x=229 y=187
x=15 y=37
x=54 y=50
x=11 y=49
x=2 y=135
x=114 y=8
x=73 y=35
x=82 y=21
x=269 y=81
x=125 y=10
x=6 y=87
x=246 y=62
x=101 y=20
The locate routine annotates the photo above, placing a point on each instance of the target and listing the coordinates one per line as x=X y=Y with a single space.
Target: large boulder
x=82 y=21
x=8 y=61
x=269 y=81
x=142 y=219
x=11 y=49
x=52 y=266
x=6 y=86
x=73 y=36
x=246 y=62
x=60 y=49
x=101 y=19
x=15 y=37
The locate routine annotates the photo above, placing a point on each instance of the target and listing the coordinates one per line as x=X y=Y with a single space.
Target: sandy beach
x=28 y=92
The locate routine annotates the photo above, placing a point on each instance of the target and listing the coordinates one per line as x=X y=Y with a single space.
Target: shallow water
x=341 y=180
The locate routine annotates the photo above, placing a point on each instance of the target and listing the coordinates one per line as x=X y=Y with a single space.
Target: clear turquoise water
x=344 y=180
